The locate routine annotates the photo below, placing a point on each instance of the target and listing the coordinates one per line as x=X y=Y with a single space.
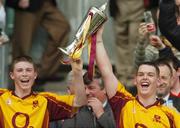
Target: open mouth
x=24 y=81
x=145 y=85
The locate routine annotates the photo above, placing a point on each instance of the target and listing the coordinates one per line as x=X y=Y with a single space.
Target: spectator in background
x=23 y=105
x=127 y=15
x=164 y=88
x=168 y=21
x=152 y=5
x=165 y=52
x=144 y=51
x=97 y=113
x=151 y=47
x=29 y=14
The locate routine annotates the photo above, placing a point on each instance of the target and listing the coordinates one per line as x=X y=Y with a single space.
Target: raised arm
x=168 y=22
x=105 y=67
x=80 y=96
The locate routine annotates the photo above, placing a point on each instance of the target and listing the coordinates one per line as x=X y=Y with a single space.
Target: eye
x=151 y=74
x=29 y=69
x=140 y=74
x=164 y=78
x=19 y=70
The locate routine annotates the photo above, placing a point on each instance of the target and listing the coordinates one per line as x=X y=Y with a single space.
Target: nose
x=160 y=83
x=24 y=72
x=145 y=76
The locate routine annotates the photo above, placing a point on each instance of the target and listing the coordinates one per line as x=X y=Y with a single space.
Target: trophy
x=93 y=20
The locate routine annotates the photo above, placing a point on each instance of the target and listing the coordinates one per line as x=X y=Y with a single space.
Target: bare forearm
x=105 y=67
x=77 y=79
x=80 y=98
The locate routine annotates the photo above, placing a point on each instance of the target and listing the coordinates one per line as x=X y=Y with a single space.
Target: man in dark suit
x=164 y=88
x=29 y=14
x=97 y=113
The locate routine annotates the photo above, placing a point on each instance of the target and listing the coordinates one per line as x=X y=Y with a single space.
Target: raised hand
x=77 y=66
x=143 y=31
x=99 y=34
x=156 y=42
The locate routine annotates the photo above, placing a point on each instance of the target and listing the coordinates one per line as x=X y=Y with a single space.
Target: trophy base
x=66 y=59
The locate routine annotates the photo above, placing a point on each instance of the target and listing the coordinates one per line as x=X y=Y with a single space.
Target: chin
x=26 y=86
x=144 y=93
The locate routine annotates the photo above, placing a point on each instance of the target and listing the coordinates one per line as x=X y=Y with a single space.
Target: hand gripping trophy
x=93 y=20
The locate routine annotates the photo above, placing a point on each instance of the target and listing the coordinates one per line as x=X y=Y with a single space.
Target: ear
x=11 y=75
x=172 y=81
x=35 y=75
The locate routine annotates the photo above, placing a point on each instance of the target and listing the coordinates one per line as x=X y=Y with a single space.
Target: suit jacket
x=35 y=5
x=86 y=119
x=176 y=101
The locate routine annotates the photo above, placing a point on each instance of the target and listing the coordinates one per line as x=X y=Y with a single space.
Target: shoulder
x=51 y=95
x=123 y=93
x=2 y=91
x=56 y=98
x=170 y=111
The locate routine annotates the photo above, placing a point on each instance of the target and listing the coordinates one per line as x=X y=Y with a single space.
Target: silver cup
x=98 y=17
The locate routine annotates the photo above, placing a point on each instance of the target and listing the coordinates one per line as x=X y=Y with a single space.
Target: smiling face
x=146 y=80
x=24 y=75
x=165 y=78
x=94 y=90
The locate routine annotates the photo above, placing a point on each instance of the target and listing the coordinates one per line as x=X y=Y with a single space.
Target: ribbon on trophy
x=81 y=44
x=91 y=47
x=92 y=52
x=87 y=30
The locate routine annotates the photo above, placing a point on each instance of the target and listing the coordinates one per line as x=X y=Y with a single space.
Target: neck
x=22 y=93
x=146 y=101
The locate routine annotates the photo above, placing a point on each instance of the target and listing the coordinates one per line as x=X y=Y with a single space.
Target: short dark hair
x=150 y=63
x=96 y=75
x=20 y=59
x=164 y=62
